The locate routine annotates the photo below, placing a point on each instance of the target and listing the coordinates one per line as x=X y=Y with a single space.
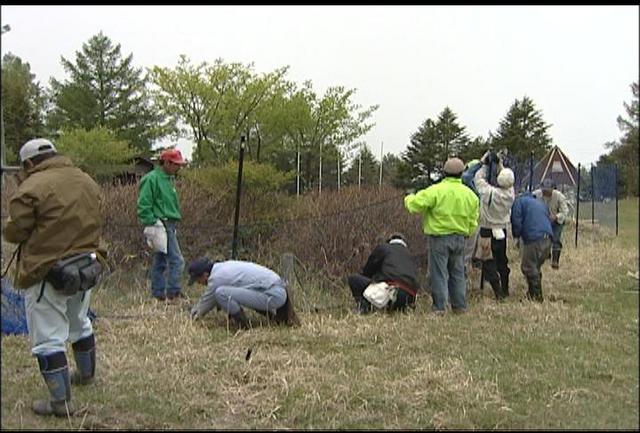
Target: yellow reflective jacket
x=448 y=207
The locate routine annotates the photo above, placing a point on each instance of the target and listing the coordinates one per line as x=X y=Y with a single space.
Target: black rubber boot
x=500 y=295
x=504 y=281
x=55 y=371
x=555 y=259
x=535 y=290
x=363 y=306
x=240 y=320
x=497 y=289
x=84 y=353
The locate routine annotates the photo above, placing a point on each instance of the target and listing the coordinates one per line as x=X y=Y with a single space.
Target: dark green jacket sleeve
x=145 y=200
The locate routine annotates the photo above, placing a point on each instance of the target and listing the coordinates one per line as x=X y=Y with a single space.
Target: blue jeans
x=446 y=269
x=556 y=245
x=173 y=260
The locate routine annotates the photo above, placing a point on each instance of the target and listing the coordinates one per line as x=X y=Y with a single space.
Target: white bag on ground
x=156 y=237
x=380 y=294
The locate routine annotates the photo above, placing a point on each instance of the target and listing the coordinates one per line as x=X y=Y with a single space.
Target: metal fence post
x=578 y=205
x=234 y=245
x=615 y=167
x=531 y=172
x=593 y=193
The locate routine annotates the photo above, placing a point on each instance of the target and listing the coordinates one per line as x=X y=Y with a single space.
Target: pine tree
x=452 y=136
x=423 y=156
x=522 y=131
x=430 y=147
x=626 y=152
x=104 y=90
x=23 y=104
x=365 y=164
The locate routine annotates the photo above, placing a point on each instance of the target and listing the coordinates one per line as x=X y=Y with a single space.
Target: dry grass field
x=570 y=362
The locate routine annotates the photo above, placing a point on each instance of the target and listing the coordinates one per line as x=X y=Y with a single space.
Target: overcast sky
x=575 y=62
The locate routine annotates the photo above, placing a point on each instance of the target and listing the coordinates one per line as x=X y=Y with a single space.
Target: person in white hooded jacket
x=495 y=214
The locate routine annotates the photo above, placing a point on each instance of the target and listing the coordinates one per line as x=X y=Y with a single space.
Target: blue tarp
x=14 y=320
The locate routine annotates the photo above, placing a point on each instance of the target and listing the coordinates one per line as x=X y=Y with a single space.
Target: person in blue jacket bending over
x=530 y=223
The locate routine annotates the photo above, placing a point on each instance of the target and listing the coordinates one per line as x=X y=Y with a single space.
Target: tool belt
x=75 y=273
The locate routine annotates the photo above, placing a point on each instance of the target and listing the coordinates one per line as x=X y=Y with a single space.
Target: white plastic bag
x=380 y=294
x=498 y=234
x=156 y=237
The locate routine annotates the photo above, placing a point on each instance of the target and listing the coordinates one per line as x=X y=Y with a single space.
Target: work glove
x=156 y=237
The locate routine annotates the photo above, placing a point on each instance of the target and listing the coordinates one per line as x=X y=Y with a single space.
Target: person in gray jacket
x=495 y=214
x=558 y=212
x=234 y=284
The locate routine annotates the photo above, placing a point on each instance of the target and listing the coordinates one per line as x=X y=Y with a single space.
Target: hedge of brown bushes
x=331 y=233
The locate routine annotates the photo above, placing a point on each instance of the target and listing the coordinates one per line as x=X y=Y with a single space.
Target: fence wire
x=598 y=197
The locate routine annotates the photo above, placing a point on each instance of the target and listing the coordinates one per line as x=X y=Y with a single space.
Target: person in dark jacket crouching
x=390 y=262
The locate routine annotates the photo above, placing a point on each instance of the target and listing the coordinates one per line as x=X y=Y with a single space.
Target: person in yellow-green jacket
x=158 y=202
x=450 y=213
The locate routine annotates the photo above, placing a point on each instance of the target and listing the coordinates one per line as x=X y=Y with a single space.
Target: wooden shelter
x=555 y=166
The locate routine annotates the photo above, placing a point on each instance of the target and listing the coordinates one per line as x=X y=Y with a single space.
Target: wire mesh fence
x=598 y=197
x=334 y=232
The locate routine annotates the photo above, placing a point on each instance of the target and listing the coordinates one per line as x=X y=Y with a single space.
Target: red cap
x=172 y=155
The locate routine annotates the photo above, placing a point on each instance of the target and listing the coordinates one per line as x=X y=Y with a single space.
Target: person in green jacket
x=450 y=213
x=158 y=202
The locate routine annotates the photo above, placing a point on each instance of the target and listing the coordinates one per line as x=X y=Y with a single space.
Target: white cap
x=36 y=147
x=506 y=178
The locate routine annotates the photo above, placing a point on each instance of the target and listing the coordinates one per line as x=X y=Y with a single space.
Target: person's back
x=450 y=214
x=233 y=284
x=239 y=273
x=448 y=207
x=68 y=217
x=530 y=219
x=495 y=213
x=392 y=262
x=55 y=217
x=495 y=201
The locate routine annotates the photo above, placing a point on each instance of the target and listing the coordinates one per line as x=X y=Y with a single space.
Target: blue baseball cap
x=198 y=267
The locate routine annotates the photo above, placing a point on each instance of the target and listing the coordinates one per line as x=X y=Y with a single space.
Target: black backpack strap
x=41 y=291
x=15 y=253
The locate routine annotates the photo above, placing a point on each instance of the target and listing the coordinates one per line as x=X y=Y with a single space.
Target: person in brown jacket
x=55 y=215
